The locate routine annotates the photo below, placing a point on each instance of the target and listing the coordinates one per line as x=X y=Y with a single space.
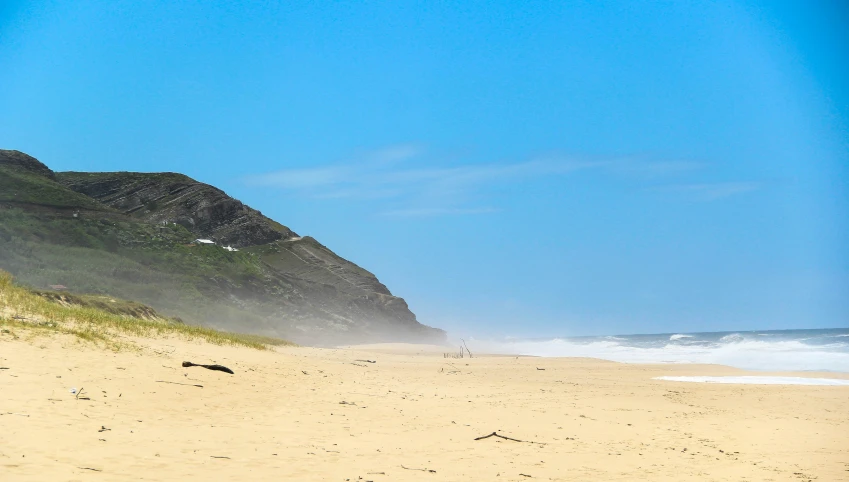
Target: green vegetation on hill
x=153 y=264
x=127 y=178
x=100 y=319
x=20 y=186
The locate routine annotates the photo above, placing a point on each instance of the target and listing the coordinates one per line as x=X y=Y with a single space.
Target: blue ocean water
x=777 y=350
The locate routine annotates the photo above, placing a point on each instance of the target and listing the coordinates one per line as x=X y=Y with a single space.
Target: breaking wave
x=799 y=351
x=761 y=380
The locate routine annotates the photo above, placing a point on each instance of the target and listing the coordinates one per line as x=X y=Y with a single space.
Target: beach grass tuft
x=89 y=319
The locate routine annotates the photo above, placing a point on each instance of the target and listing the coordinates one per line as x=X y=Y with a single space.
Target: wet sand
x=328 y=414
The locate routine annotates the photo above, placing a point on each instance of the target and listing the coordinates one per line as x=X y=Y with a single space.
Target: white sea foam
x=732 y=350
x=679 y=336
x=761 y=380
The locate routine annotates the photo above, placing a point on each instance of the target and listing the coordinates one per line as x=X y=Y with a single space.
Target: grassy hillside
x=20 y=186
x=99 y=319
x=132 y=236
x=131 y=260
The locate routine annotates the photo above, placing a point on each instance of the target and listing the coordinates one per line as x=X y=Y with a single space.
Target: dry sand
x=318 y=414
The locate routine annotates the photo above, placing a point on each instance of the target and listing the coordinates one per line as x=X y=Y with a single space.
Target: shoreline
x=300 y=413
x=413 y=349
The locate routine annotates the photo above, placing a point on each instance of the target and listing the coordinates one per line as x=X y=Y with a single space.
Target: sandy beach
x=296 y=413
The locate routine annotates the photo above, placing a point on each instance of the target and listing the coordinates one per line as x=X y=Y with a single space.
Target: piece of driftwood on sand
x=220 y=368
x=495 y=434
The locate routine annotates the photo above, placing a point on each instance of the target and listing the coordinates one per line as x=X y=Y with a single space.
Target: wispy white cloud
x=352 y=178
x=396 y=153
x=652 y=169
x=406 y=177
x=715 y=190
x=413 y=188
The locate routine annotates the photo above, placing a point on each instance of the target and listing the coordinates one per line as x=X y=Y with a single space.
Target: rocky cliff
x=204 y=210
x=132 y=235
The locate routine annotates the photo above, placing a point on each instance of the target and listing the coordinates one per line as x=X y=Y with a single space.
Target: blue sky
x=555 y=168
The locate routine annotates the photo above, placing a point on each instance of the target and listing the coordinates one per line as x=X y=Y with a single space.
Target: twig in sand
x=78 y=395
x=89 y=468
x=423 y=470
x=367 y=361
x=219 y=457
x=495 y=434
x=178 y=383
x=376 y=473
x=541 y=369
x=467 y=348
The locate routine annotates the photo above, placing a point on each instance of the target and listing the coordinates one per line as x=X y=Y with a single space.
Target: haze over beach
x=394 y=241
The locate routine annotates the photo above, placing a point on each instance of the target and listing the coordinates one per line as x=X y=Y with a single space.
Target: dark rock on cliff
x=204 y=210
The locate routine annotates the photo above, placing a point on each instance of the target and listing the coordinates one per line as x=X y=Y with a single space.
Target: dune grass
x=25 y=309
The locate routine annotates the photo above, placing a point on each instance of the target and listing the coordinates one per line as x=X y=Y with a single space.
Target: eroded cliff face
x=286 y=285
x=204 y=210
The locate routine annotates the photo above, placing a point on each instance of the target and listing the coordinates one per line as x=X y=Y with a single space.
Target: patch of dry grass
x=24 y=309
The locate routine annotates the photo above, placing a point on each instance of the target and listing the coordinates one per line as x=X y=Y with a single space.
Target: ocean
x=773 y=350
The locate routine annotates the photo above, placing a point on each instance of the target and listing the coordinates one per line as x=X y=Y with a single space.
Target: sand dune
x=320 y=414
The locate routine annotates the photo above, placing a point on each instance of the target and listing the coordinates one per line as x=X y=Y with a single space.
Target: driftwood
x=78 y=395
x=219 y=368
x=178 y=383
x=495 y=434
x=423 y=470
x=367 y=361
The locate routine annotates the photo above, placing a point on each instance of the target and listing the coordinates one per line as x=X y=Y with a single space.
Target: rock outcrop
x=204 y=210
